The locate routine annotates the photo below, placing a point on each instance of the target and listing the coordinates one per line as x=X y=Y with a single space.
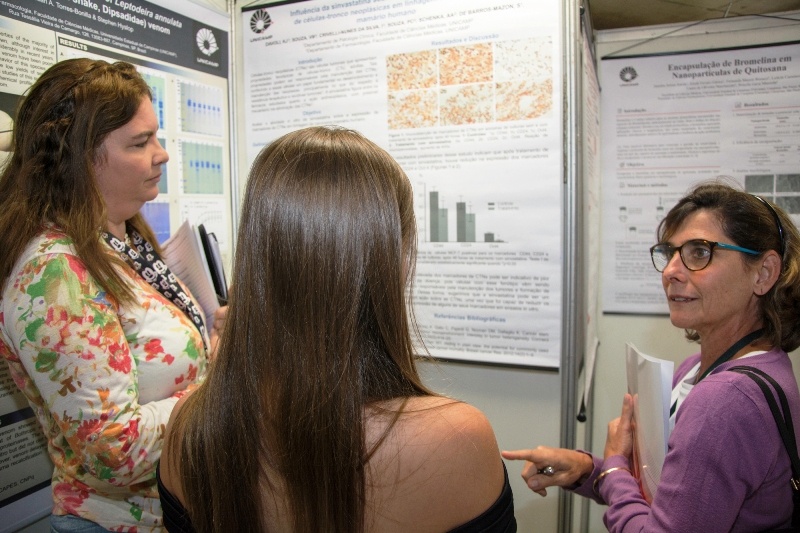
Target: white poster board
x=671 y=121
x=467 y=97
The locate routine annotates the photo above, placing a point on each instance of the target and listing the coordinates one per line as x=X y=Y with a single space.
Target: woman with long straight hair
x=313 y=417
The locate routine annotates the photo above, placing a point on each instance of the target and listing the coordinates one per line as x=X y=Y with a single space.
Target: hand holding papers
x=185 y=257
x=650 y=384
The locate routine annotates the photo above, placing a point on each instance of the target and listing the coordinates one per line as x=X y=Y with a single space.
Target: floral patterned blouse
x=102 y=380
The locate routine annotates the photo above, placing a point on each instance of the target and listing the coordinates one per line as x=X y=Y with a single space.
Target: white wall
x=654 y=334
x=524 y=409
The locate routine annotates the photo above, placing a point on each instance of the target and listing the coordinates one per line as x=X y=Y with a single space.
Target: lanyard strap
x=730 y=352
x=149 y=265
x=724 y=358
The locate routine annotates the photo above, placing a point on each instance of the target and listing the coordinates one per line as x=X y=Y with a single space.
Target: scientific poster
x=185 y=62
x=466 y=96
x=672 y=121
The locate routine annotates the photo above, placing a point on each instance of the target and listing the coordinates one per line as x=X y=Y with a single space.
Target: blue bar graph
x=202 y=168
x=201 y=109
x=157 y=215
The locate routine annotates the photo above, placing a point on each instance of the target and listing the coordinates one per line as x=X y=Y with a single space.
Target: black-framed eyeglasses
x=695 y=254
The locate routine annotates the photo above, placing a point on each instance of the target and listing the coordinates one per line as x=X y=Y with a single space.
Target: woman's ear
x=769 y=270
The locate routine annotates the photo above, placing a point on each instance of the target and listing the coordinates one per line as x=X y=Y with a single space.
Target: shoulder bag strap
x=785 y=427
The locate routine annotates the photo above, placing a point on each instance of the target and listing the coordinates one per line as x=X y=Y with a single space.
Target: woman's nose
x=674 y=265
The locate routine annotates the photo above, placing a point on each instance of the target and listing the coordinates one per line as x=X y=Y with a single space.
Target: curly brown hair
x=58 y=134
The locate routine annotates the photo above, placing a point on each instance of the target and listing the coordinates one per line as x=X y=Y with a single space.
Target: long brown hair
x=49 y=179
x=751 y=222
x=318 y=328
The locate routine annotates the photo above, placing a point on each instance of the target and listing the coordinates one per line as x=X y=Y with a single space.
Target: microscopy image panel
x=523 y=59
x=466 y=64
x=787 y=183
x=521 y=100
x=413 y=109
x=466 y=104
x=790 y=204
x=759 y=183
x=415 y=70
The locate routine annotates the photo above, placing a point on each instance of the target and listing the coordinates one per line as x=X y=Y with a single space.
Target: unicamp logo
x=260 y=21
x=206 y=42
x=628 y=74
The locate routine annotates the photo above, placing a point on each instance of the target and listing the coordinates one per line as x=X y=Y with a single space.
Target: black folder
x=214 y=260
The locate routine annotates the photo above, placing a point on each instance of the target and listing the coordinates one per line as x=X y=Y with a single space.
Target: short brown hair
x=749 y=222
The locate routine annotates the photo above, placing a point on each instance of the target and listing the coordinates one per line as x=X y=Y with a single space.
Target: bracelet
x=603 y=474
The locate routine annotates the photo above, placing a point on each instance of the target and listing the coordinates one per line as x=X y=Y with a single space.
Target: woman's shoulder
x=48 y=258
x=49 y=245
x=725 y=391
x=440 y=464
x=774 y=363
x=456 y=422
x=49 y=241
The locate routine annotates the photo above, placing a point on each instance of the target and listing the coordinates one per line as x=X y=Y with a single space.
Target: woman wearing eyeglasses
x=730 y=270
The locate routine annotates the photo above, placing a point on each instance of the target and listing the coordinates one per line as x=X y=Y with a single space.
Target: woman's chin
x=679 y=321
x=153 y=194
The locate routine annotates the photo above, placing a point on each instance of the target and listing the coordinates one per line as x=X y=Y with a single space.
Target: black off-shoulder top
x=499 y=518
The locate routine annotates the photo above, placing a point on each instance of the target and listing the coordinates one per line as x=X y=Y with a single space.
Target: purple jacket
x=726 y=467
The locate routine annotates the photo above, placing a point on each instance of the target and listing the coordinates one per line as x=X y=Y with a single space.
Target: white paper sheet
x=184 y=256
x=466 y=96
x=673 y=121
x=650 y=383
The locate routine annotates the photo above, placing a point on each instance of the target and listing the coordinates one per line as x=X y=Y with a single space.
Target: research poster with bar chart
x=466 y=96
x=185 y=63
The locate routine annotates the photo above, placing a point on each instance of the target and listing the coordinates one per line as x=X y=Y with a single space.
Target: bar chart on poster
x=437 y=209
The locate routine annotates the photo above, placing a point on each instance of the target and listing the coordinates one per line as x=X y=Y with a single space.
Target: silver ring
x=547 y=471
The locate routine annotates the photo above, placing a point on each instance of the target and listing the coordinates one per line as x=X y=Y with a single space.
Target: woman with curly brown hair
x=98 y=334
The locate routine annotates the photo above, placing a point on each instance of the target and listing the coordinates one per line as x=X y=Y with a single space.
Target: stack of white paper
x=650 y=383
x=185 y=258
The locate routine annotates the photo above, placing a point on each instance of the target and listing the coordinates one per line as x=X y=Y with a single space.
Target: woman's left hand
x=220 y=316
x=568 y=467
x=620 y=431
